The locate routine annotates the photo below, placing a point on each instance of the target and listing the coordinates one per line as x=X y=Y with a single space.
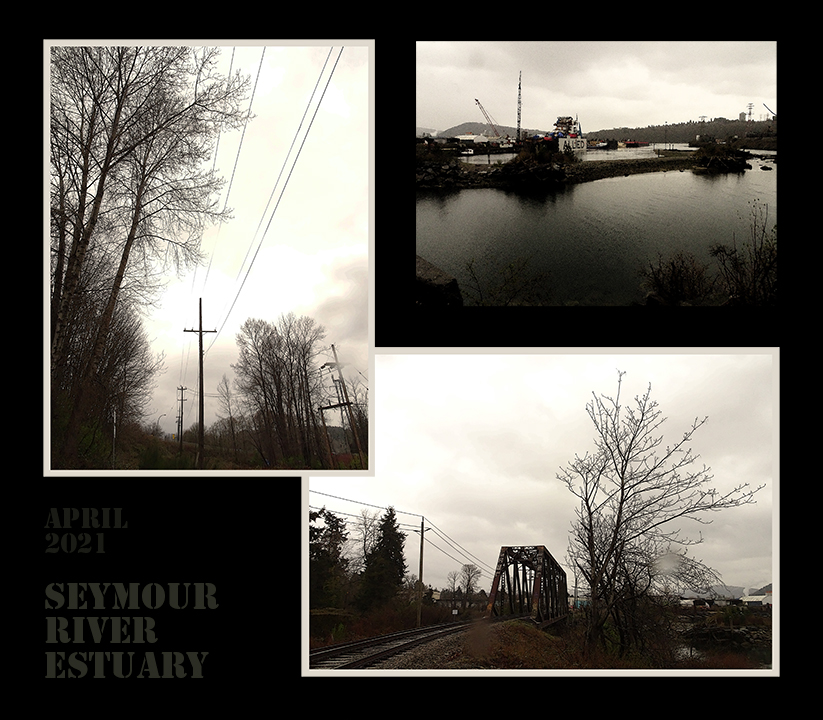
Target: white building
x=471 y=137
x=758 y=600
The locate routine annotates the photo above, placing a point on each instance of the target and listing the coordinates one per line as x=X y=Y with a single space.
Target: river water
x=589 y=240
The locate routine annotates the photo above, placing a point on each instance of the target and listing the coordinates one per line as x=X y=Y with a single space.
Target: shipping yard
x=567 y=136
x=565 y=217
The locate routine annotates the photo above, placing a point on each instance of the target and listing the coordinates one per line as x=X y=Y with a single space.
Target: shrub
x=680 y=279
x=750 y=271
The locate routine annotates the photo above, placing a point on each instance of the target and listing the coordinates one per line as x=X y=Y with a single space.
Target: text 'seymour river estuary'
x=591 y=239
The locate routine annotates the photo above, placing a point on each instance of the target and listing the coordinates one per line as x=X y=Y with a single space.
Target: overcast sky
x=313 y=259
x=473 y=443
x=606 y=84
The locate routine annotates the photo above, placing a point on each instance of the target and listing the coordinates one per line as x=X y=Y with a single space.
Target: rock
x=766 y=167
x=654 y=300
x=436 y=288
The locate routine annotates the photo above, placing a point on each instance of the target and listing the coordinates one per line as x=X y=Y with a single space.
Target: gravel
x=443 y=654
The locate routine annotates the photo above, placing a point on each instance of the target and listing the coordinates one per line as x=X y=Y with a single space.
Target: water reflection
x=590 y=239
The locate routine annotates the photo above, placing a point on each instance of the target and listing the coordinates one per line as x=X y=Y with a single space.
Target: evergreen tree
x=327 y=566
x=385 y=564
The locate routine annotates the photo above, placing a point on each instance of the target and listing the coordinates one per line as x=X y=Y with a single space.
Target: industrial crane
x=488 y=119
x=769 y=109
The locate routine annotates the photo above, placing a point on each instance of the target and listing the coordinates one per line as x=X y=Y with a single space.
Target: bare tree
x=227 y=404
x=130 y=130
x=469 y=576
x=452 y=584
x=631 y=491
x=278 y=377
x=363 y=538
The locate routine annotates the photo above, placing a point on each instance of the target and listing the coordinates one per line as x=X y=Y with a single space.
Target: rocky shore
x=455 y=175
x=451 y=173
x=600 y=169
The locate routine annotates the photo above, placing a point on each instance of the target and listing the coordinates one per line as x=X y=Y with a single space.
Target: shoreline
x=601 y=169
x=450 y=173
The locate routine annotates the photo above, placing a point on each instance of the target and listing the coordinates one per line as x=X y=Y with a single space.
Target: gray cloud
x=608 y=84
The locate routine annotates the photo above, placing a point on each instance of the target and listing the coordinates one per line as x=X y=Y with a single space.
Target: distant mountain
x=421 y=131
x=733 y=590
x=478 y=128
x=720 y=590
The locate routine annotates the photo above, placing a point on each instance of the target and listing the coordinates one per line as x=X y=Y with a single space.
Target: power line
x=483 y=572
x=457 y=546
x=358 y=520
x=236 y=157
x=217 y=145
x=280 y=197
x=283 y=167
x=440 y=533
x=357 y=502
x=452 y=542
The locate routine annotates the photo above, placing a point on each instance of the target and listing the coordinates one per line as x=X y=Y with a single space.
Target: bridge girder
x=528 y=581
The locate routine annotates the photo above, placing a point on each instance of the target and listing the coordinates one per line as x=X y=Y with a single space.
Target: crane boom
x=769 y=109
x=488 y=119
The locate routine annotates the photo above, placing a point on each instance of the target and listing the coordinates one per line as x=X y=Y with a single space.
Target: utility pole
x=420 y=578
x=518 y=105
x=181 y=400
x=200 y=432
x=348 y=405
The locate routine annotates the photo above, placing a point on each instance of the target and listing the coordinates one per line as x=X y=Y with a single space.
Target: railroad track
x=366 y=653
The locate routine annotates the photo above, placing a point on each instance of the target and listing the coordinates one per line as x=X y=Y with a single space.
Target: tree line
x=686 y=132
x=279 y=402
x=278 y=411
x=363 y=576
x=131 y=129
x=365 y=571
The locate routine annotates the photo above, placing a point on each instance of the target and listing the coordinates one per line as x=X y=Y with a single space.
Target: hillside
x=733 y=590
x=720 y=128
x=477 y=128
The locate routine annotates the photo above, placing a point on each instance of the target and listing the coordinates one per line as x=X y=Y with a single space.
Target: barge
x=568 y=135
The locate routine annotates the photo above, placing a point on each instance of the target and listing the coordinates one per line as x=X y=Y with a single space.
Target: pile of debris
x=454 y=175
x=721 y=158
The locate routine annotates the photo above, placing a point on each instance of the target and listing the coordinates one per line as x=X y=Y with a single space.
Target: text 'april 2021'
x=96 y=518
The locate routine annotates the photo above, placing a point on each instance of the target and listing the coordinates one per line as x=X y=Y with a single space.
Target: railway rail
x=368 y=653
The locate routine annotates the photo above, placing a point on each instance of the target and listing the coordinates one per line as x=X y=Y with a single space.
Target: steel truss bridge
x=528 y=582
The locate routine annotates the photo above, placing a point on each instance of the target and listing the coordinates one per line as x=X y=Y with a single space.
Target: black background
x=242 y=535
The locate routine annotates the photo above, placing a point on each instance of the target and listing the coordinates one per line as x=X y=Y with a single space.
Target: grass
x=517 y=645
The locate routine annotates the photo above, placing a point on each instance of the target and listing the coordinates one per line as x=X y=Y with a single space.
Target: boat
x=568 y=134
x=635 y=143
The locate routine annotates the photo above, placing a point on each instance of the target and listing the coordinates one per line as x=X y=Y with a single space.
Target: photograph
x=554 y=511
x=207 y=255
x=596 y=174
